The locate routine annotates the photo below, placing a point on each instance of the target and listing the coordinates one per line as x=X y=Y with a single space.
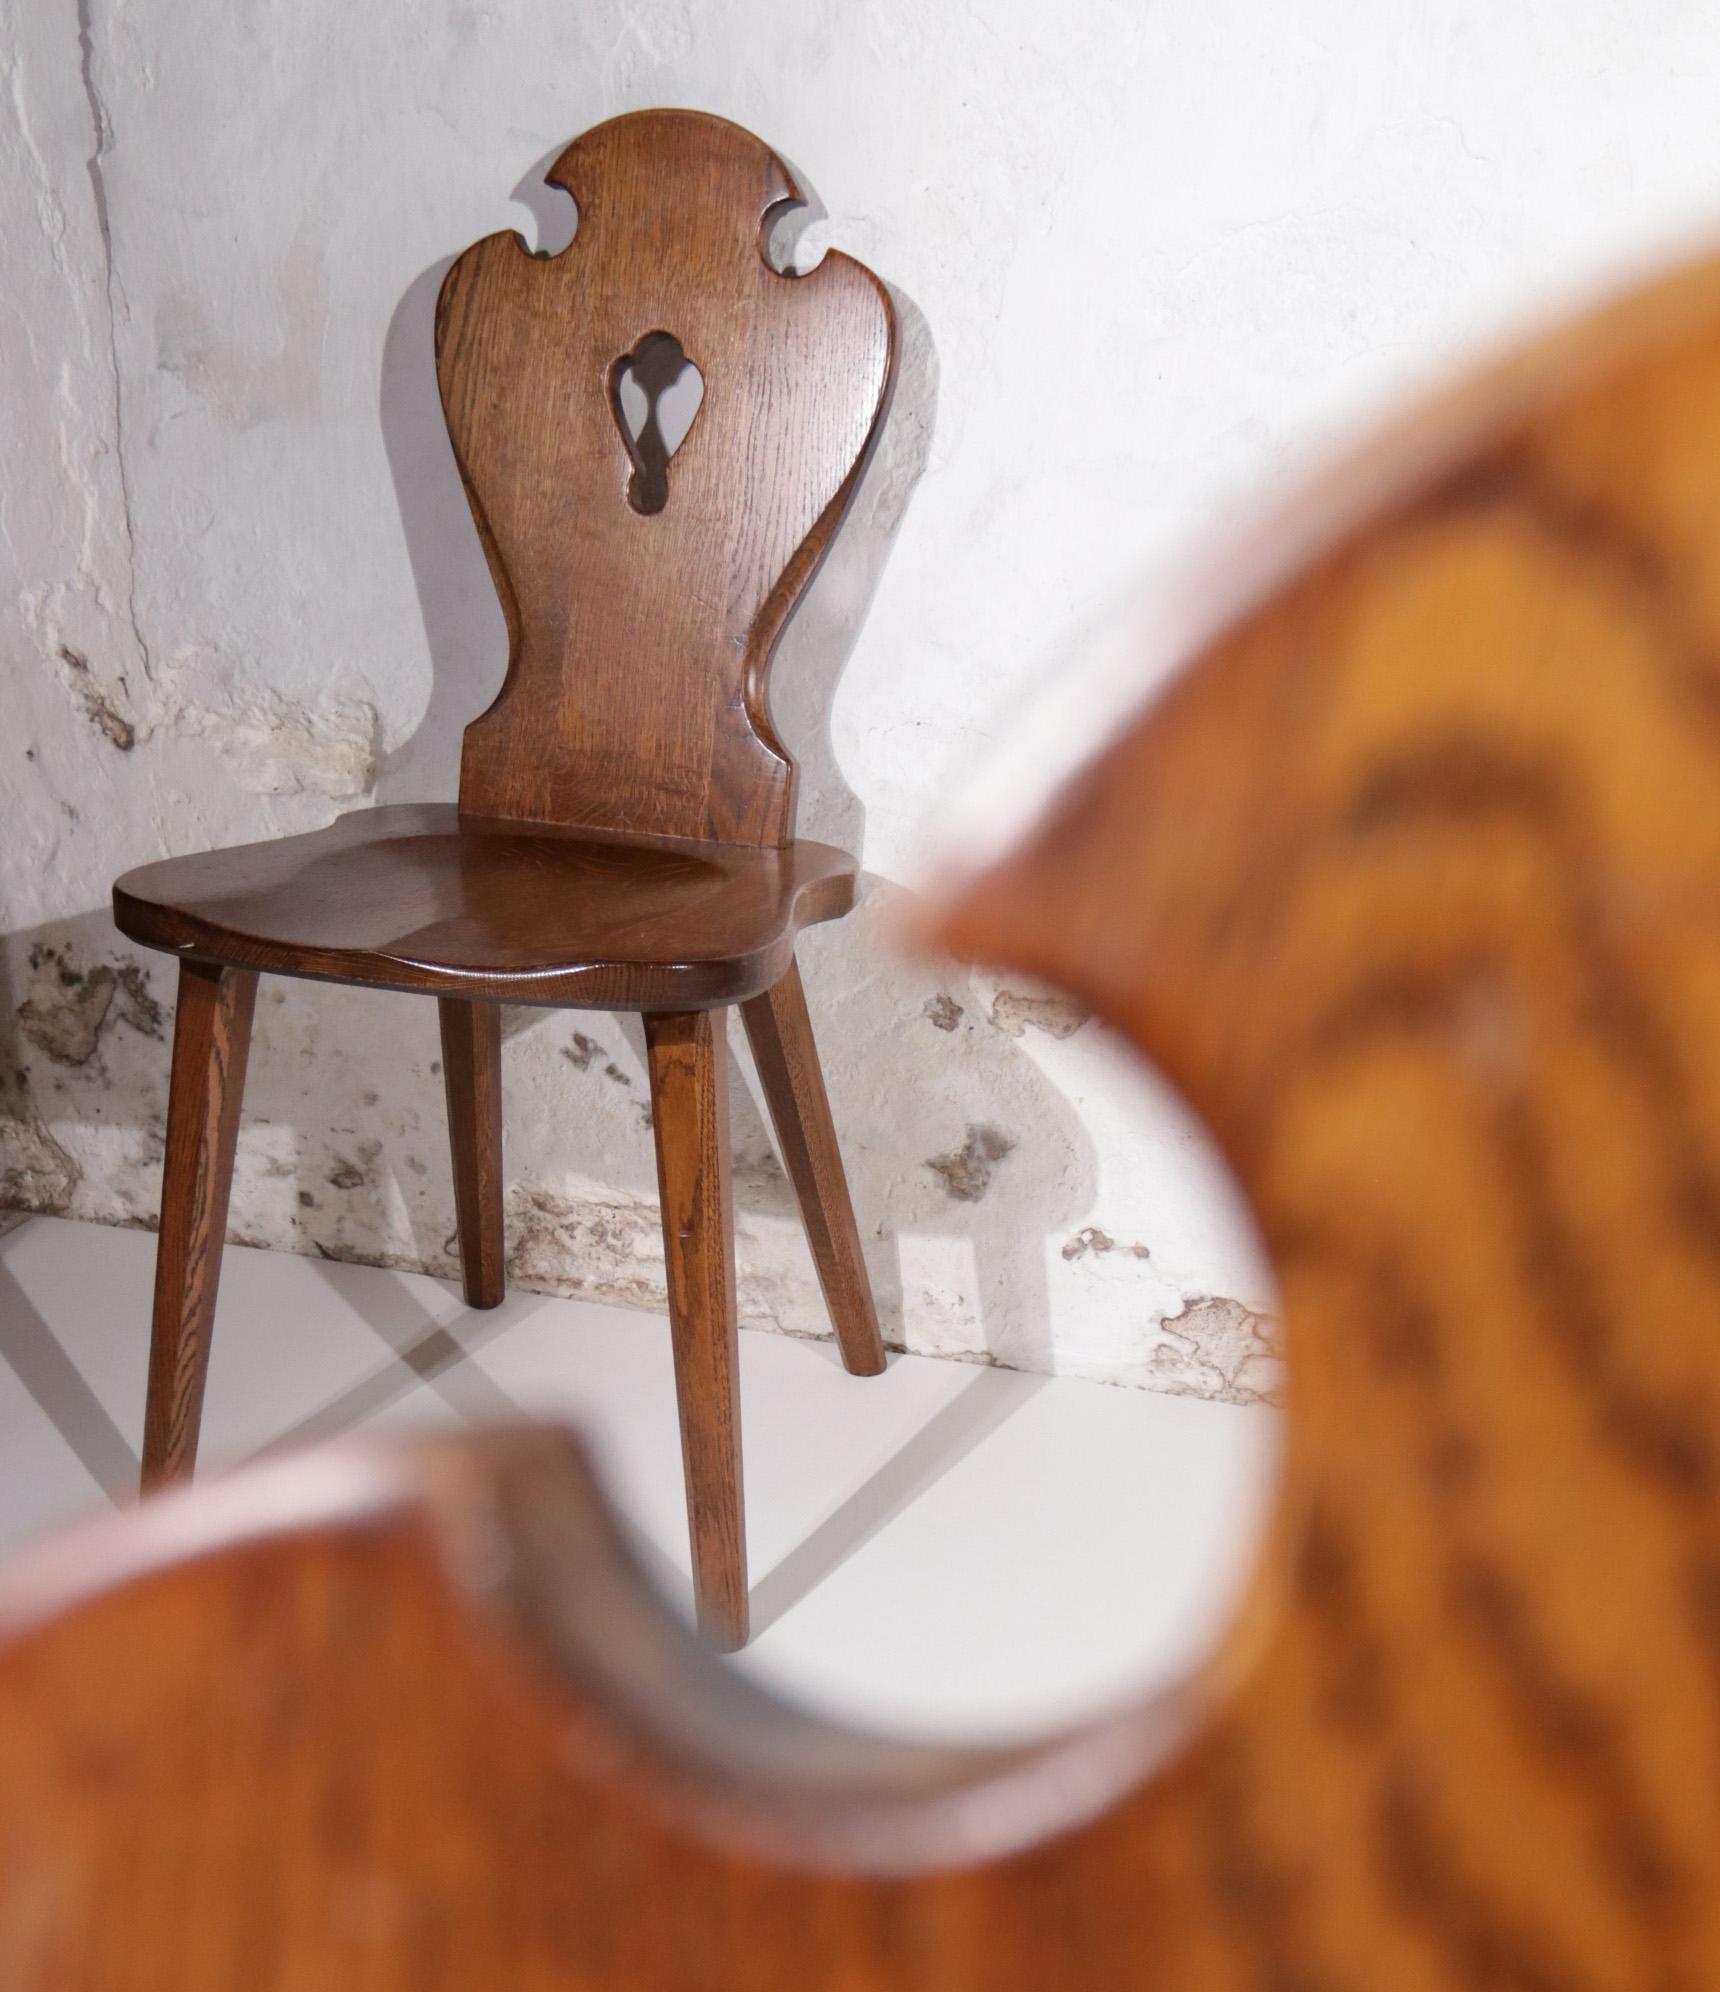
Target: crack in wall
x=102 y=126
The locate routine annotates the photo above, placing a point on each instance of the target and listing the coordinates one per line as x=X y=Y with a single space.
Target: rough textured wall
x=1145 y=255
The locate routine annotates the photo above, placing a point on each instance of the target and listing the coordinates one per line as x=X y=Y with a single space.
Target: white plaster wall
x=1149 y=254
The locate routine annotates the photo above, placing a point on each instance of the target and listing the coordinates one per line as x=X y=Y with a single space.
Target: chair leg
x=780 y=1032
x=690 y=1112
x=211 y=1039
x=472 y=1073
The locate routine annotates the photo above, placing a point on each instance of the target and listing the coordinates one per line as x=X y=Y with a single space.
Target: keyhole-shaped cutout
x=654 y=392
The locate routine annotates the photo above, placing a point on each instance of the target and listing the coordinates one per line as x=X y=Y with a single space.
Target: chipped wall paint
x=1146 y=258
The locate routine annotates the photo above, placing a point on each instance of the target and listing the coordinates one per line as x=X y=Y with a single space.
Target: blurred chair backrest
x=645 y=591
x=1412 y=883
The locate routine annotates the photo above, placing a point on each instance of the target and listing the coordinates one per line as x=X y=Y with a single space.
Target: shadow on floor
x=33 y=1352
x=941 y=1444
x=423 y=1350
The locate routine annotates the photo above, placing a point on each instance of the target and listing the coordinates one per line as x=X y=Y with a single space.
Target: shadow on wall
x=967 y=1166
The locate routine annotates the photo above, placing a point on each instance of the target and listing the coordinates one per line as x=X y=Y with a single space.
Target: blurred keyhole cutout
x=655 y=391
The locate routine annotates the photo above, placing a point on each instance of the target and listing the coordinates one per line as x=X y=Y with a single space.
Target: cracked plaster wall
x=1147 y=257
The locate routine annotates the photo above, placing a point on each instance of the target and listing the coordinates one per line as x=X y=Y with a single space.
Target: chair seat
x=417 y=896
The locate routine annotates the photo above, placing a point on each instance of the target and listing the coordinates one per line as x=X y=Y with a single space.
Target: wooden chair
x=1413 y=884
x=624 y=838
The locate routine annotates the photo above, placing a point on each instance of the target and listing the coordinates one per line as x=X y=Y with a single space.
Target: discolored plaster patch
x=1100 y=1244
x=1218 y=1348
x=36 y=1173
x=69 y=1006
x=273 y=744
x=942 y=1012
x=584 y=1052
x=967 y=1173
x=1014 y=1013
x=616 y=1244
x=611 y=1249
x=99 y=705
x=138 y=1007
x=64 y=1013
x=346 y=1176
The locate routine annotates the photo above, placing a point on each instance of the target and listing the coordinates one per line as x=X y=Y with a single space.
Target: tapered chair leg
x=211 y=1040
x=690 y=1112
x=780 y=1032
x=472 y=1073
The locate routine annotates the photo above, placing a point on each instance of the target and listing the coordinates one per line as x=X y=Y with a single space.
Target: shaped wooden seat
x=418 y=897
x=624 y=833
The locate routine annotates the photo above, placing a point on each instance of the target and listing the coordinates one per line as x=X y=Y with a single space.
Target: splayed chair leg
x=780 y=1032
x=211 y=1041
x=690 y=1112
x=472 y=1074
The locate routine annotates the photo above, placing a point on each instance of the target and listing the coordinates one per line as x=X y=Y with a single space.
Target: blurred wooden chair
x=1412 y=883
x=624 y=838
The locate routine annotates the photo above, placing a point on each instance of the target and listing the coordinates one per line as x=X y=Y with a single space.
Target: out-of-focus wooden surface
x=1412 y=883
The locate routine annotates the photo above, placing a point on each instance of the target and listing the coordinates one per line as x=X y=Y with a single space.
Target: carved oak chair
x=1412 y=882
x=624 y=837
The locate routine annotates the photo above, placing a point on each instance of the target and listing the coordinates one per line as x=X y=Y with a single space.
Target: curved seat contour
x=417 y=896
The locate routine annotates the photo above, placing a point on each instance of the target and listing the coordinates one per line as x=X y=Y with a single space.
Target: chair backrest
x=644 y=600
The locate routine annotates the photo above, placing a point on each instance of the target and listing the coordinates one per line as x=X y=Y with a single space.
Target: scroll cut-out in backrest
x=656 y=393
x=644 y=596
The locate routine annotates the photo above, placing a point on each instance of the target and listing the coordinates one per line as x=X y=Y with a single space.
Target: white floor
x=943 y=1549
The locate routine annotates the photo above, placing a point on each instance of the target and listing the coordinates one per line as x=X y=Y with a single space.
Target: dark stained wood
x=624 y=835
x=688 y=1056
x=780 y=1032
x=1412 y=885
x=211 y=1040
x=472 y=1074
x=636 y=700
x=415 y=896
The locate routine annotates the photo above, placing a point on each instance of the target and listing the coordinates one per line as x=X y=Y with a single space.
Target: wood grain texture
x=1421 y=866
x=636 y=700
x=472 y=1077
x=416 y=896
x=688 y=1058
x=623 y=838
x=1412 y=884
x=780 y=1032
x=211 y=1041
